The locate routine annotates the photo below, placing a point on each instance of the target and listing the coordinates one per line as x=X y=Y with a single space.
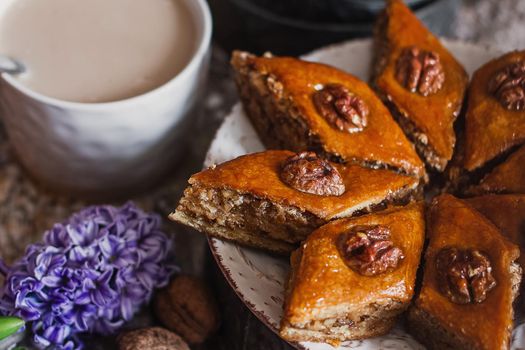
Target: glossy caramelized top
x=434 y=114
x=508 y=177
x=258 y=174
x=453 y=222
x=490 y=128
x=507 y=212
x=381 y=140
x=322 y=283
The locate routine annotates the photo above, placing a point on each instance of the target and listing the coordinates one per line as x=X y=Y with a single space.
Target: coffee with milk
x=97 y=50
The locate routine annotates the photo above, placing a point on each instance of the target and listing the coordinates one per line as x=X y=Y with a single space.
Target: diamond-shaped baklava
x=352 y=278
x=470 y=281
x=274 y=199
x=420 y=81
x=299 y=105
x=495 y=117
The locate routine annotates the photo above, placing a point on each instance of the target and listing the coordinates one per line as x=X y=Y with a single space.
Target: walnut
x=420 y=71
x=464 y=276
x=343 y=110
x=508 y=86
x=369 y=250
x=154 y=338
x=308 y=173
x=186 y=307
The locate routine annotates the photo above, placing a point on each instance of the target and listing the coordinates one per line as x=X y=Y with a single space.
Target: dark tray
x=294 y=27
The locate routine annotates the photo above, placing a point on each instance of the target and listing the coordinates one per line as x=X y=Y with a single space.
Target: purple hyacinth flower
x=90 y=275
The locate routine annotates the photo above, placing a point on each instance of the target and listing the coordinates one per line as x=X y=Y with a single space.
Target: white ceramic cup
x=99 y=150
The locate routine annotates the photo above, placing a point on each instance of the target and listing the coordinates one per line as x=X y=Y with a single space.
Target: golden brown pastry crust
x=258 y=175
x=433 y=115
x=508 y=177
x=507 y=212
x=490 y=129
x=294 y=81
x=321 y=282
x=486 y=325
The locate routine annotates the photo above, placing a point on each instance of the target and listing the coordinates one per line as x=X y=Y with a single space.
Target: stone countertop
x=26 y=211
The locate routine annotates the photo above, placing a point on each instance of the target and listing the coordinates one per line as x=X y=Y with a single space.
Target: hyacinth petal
x=126 y=308
x=51 y=281
x=57 y=237
x=137 y=291
x=57 y=334
x=81 y=324
x=131 y=235
x=79 y=254
x=100 y=298
x=69 y=345
x=146 y=280
x=40 y=341
x=28 y=315
x=105 y=277
x=107 y=326
x=107 y=245
x=82 y=298
x=91 y=274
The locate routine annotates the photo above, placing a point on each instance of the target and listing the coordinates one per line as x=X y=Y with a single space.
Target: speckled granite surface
x=26 y=210
x=499 y=23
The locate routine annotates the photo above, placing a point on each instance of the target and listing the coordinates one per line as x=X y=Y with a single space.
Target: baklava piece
x=470 y=281
x=352 y=278
x=274 y=199
x=495 y=117
x=299 y=105
x=420 y=81
x=507 y=212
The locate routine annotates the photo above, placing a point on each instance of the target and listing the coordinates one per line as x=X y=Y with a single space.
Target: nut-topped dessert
x=420 y=81
x=470 y=281
x=352 y=278
x=299 y=105
x=274 y=199
x=495 y=118
x=507 y=213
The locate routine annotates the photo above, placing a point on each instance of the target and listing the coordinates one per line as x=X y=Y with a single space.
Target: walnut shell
x=154 y=338
x=187 y=307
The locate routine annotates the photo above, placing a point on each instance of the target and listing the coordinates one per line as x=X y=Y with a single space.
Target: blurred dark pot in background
x=293 y=27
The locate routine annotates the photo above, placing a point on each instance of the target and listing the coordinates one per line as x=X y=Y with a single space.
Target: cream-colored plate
x=259 y=278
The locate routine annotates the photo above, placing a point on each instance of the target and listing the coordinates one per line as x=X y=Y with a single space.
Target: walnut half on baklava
x=274 y=199
x=352 y=278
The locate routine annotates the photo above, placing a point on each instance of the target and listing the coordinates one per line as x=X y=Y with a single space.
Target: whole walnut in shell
x=154 y=338
x=187 y=307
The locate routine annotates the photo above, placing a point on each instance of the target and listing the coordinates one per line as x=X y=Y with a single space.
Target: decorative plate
x=259 y=278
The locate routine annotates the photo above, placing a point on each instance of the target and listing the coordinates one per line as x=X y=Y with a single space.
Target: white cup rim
x=202 y=49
